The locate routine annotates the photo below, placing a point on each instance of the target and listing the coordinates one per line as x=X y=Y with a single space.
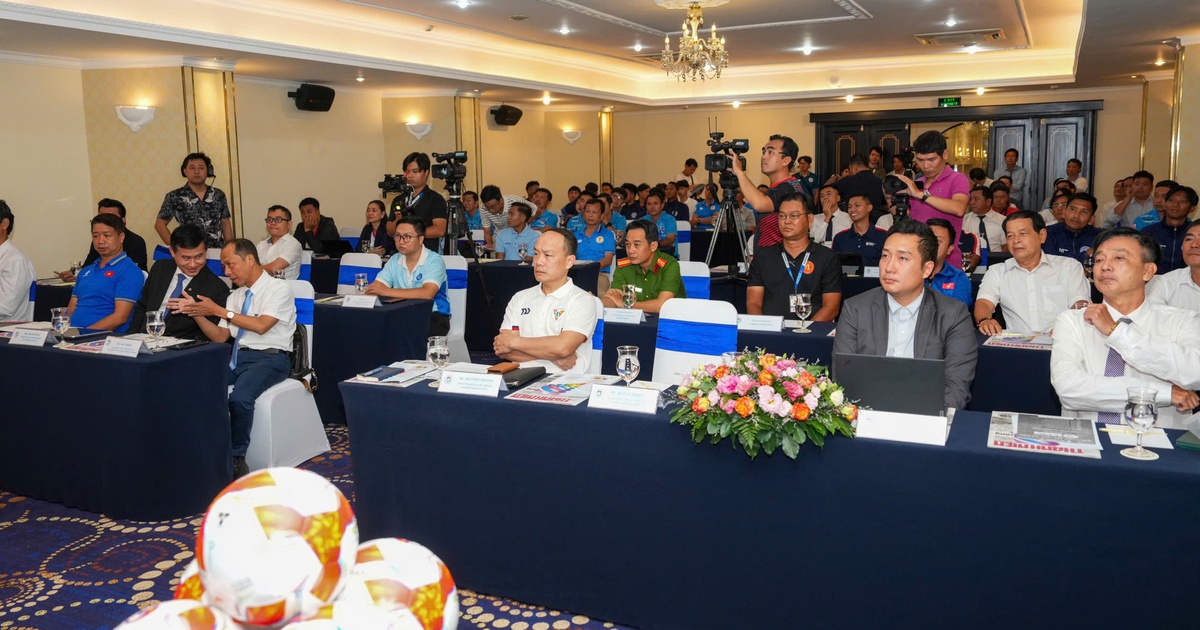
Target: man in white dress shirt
x=1126 y=341
x=984 y=222
x=549 y=324
x=1180 y=288
x=16 y=274
x=1032 y=286
x=831 y=219
x=280 y=251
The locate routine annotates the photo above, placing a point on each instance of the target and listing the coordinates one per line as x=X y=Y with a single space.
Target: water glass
x=801 y=305
x=360 y=282
x=480 y=250
x=1140 y=414
x=155 y=327
x=629 y=295
x=61 y=323
x=628 y=365
x=75 y=267
x=437 y=351
x=523 y=252
x=731 y=359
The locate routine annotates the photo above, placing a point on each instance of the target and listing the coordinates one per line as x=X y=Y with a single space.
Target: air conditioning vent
x=961 y=38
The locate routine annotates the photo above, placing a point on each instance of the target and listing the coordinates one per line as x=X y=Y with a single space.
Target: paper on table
x=28 y=326
x=1056 y=431
x=1000 y=435
x=164 y=342
x=469 y=368
x=650 y=385
x=1020 y=340
x=1123 y=436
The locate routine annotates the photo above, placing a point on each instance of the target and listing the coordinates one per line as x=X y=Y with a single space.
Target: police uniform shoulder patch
x=624 y=262
x=659 y=264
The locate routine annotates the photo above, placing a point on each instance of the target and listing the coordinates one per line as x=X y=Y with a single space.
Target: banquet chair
x=456 y=291
x=596 y=366
x=353 y=263
x=691 y=333
x=696 y=279
x=683 y=240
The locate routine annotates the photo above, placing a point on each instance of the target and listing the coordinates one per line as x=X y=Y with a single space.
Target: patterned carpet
x=62 y=568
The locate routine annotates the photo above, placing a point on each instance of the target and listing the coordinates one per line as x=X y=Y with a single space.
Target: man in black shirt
x=135 y=246
x=314 y=227
x=796 y=265
x=863 y=182
x=425 y=204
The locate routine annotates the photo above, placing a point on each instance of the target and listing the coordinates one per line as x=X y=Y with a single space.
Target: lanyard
x=795 y=278
x=413 y=201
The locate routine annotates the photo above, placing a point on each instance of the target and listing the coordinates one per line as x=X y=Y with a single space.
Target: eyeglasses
x=793 y=216
x=404 y=238
x=1059 y=205
x=274 y=219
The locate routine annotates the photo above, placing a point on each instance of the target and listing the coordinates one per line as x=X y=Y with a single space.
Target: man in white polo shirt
x=549 y=324
x=260 y=316
x=280 y=251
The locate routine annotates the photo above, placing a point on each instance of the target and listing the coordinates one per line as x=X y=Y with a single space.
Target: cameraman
x=423 y=203
x=945 y=190
x=778 y=157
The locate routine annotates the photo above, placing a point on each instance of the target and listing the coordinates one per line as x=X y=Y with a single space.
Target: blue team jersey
x=98 y=289
x=594 y=247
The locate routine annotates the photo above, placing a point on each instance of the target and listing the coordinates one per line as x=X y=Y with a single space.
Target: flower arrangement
x=764 y=402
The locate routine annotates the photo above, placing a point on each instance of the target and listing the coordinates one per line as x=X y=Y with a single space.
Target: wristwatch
x=229 y=316
x=925 y=197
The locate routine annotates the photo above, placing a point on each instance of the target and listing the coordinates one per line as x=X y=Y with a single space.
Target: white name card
x=870 y=272
x=624 y=315
x=769 y=323
x=121 y=346
x=360 y=301
x=471 y=384
x=633 y=399
x=902 y=427
x=26 y=337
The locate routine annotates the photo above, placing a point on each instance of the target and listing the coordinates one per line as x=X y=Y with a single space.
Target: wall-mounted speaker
x=506 y=115
x=313 y=98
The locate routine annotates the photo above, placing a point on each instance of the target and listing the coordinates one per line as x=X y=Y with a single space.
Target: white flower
x=837 y=398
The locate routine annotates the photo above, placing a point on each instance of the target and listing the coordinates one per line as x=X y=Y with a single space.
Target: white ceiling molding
x=39 y=60
x=292 y=85
x=421 y=93
x=603 y=17
x=1188 y=40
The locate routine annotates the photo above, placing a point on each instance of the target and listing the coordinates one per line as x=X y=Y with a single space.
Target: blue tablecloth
x=145 y=438
x=504 y=278
x=621 y=517
x=349 y=341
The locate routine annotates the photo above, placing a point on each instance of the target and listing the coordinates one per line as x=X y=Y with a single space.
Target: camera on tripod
x=896 y=187
x=394 y=184
x=718 y=161
x=450 y=165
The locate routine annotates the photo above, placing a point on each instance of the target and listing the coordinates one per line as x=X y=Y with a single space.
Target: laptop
x=896 y=384
x=336 y=248
x=852 y=263
x=85 y=334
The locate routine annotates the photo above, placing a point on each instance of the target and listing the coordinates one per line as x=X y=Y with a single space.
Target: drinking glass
x=437 y=351
x=480 y=251
x=731 y=359
x=629 y=295
x=523 y=251
x=801 y=305
x=1140 y=414
x=75 y=267
x=61 y=323
x=155 y=326
x=360 y=282
x=628 y=365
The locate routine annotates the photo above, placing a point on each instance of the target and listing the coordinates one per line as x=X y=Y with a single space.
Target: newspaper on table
x=414 y=372
x=1031 y=433
x=562 y=389
x=1030 y=341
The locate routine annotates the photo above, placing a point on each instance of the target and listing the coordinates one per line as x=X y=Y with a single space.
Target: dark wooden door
x=892 y=138
x=838 y=144
x=1062 y=138
x=1015 y=134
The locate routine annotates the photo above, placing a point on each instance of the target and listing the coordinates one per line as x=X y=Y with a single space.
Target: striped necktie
x=1114 y=366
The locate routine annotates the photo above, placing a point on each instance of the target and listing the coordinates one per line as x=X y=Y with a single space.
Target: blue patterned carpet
x=62 y=568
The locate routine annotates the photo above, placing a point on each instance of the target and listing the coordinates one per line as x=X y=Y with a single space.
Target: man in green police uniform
x=653 y=273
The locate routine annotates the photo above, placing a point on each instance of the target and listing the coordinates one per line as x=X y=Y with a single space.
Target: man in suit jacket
x=186 y=270
x=903 y=319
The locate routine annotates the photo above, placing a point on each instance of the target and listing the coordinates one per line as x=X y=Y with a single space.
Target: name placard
x=624 y=315
x=121 y=347
x=769 y=323
x=633 y=399
x=27 y=337
x=471 y=384
x=360 y=301
x=902 y=427
x=870 y=272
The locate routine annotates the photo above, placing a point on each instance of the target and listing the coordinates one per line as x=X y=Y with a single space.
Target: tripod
x=727 y=219
x=456 y=226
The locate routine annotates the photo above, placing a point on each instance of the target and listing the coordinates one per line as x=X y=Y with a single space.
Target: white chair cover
x=691 y=333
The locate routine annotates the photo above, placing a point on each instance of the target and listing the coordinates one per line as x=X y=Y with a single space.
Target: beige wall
x=570 y=164
x=44 y=169
x=1158 y=128
x=1188 y=165
x=516 y=154
x=287 y=154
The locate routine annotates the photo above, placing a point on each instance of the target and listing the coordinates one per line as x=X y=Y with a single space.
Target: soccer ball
x=343 y=615
x=178 y=614
x=276 y=545
x=393 y=573
x=190 y=586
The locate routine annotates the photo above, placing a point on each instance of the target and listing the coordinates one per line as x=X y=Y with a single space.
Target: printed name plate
x=360 y=301
x=624 y=316
x=27 y=337
x=472 y=384
x=902 y=427
x=121 y=347
x=769 y=323
x=617 y=398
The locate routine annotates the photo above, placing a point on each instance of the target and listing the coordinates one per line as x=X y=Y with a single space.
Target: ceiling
x=422 y=46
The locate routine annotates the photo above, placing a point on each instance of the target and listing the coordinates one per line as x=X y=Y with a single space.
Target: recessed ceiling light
x=951 y=23
x=1160 y=62
x=980 y=90
x=849 y=98
x=972 y=49
x=565 y=30
x=737 y=104
x=807 y=49
x=638 y=47
x=546 y=98
x=360 y=79
x=518 y=17
x=462 y=4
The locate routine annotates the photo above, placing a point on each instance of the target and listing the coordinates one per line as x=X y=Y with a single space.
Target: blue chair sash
x=697 y=287
x=304 y=311
x=683 y=236
x=696 y=337
x=161 y=252
x=346 y=274
x=33 y=291
x=305 y=273
x=456 y=278
x=598 y=336
x=216 y=267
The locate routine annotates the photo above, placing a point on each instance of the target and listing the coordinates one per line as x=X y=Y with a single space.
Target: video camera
x=718 y=161
x=450 y=165
x=394 y=184
x=896 y=187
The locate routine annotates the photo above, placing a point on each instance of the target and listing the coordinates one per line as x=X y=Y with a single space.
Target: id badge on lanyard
x=795 y=277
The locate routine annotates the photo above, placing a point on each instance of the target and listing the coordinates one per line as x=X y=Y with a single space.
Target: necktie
x=983 y=238
x=829 y=229
x=1114 y=366
x=238 y=338
x=176 y=292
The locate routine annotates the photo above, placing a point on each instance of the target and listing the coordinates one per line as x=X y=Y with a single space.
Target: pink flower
x=775 y=369
x=728 y=384
x=785 y=364
x=744 y=384
x=713 y=397
x=711 y=369
x=811 y=399
x=764 y=393
x=728 y=405
x=794 y=390
x=790 y=372
x=687 y=381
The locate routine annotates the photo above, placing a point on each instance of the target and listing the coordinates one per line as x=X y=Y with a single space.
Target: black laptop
x=336 y=248
x=898 y=384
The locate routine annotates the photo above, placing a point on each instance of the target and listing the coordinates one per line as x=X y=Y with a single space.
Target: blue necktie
x=1114 y=366
x=176 y=292
x=238 y=338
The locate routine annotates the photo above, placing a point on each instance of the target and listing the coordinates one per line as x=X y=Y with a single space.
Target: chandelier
x=697 y=58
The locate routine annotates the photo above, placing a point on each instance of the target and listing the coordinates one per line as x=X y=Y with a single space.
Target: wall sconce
x=135 y=117
x=572 y=136
x=419 y=129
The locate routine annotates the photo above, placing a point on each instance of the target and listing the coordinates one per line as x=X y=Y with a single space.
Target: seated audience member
x=979 y=177
x=1126 y=341
x=984 y=222
x=1138 y=202
x=543 y=218
x=862 y=238
x=706 y=210
x=1173 y=228
x=616 y=201
x=16 y=273
x=107 y=289
x=374 y=238
x=1000 y=199
x=415 y=272
x=795 y=265
x=575 y=223
x=654 y=274
x=1032 y=286
x=531 y=187
x=1074 y=235
x=1121 y=190
x=260 y=317
x=496 y=206
x=612 y=220
x=684 y=190
x=902 y=319
x=185 y=271
x=831 y=219
x=1061 y=185
x=674 y=207
x=745 y=214
x=633 y=208
x=518 y=232
x=314 y=227
x=1180 y=288
x=947 y=279
x=135 y=246
x=280 y=250
x=549 y=324
x=667 y=231
x=1058 y=206
x=596 y=242
x=568 y=210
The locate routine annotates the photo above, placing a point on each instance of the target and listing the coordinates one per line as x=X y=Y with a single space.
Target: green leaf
x=790 y=447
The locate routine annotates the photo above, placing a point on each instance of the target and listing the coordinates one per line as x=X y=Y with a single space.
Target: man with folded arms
x=1180 y=288
x=654 y=274
x=260 y=317
x=1126 y=341
x=186 y=271
x=902 y=319
x=549 y=324
x=1032 y=286
x=416 y=272
x=107 y=289
x=16 y=273
x=280 y=251
x=796 y=265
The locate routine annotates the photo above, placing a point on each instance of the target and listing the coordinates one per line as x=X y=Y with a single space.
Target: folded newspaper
x=1076 y=437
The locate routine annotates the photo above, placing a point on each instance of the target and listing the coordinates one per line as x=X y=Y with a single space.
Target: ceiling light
x=807 y=49
x=637 y=47
x=737 y=104
x=359 y=79
x=546 y=98
x=462 y=4
x=980 y=91
x=565 y=30
x=951 y=23
x=1160 y=62
x=697 y=58
x=849 y=98
x=972 y=49
x=518 y=17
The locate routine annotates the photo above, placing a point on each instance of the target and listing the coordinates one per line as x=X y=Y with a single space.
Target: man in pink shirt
x=945 y=191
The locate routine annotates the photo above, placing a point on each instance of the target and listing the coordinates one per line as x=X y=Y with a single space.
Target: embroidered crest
x=808 y=267
x=109 y=273
x=947 y=286
x=599 y=239
x=558 y=312
x=420 y=276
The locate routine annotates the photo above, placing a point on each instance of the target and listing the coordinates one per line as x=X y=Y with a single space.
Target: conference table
x=504 y=278
x=622 y=517
x=143 y=438
x=348 y=341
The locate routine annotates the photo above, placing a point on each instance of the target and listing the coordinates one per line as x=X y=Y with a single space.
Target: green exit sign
x=950 y=101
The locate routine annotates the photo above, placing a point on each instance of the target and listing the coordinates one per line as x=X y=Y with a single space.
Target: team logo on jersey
x=558 y=312
x=109 y=274
x=420 y=276
x=947 y=286
x=525 y=311
x=808 y=267
x=599 y=239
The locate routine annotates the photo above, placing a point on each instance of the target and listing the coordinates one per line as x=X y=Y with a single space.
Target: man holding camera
x=944 y=191
x=425 y=204
x=778 y=156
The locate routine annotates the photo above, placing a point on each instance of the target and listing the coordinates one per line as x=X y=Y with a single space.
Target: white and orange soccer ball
x=393 y=573
x=347 y=616
x=276 y=545
x=178 y=614
x=190 y=586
